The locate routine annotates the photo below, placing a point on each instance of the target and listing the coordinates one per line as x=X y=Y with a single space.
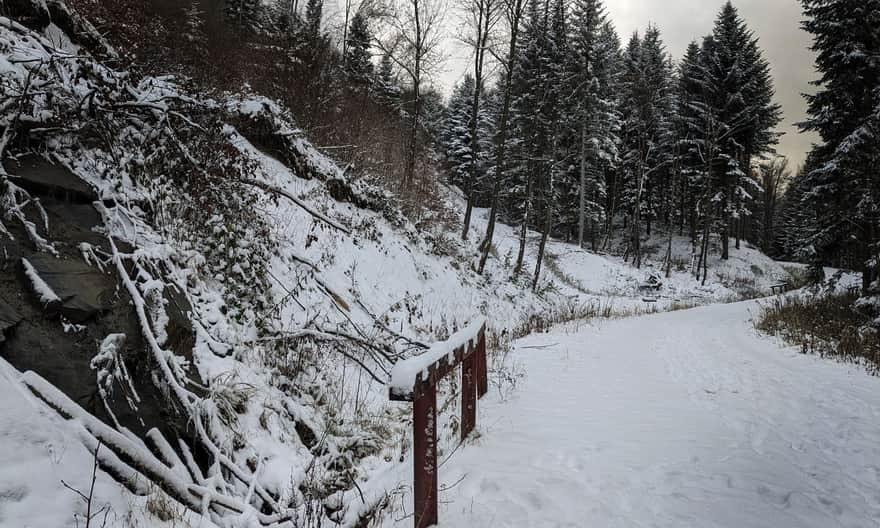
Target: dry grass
x=827 y=326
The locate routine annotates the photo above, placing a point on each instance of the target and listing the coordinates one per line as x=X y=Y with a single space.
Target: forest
x=239 y=236
x=560 y=124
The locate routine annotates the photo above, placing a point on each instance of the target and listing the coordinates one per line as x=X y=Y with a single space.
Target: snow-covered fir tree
x=455 y=132
x=358 y=61
x=645 y=109
x=590 y=113
x=843 y=186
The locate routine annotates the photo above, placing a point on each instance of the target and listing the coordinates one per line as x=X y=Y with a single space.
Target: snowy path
x=686 y=419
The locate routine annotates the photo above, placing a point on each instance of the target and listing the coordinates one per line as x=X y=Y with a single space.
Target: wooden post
x=425 y=457
x=468 y=392
x=423 y=394
x=482 y=366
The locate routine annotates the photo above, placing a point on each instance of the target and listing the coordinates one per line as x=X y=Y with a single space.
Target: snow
x=39 y=450
x=385 y=276
x=45 y=292
x=404 y=373
x=685 y=419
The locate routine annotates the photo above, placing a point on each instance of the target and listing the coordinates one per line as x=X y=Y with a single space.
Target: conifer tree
x=647 y=82
x=514 y=12
x=195 y=34
x=589 y=111
x=530 y=143
x=844 y=185
x=740 y=91
x=358 y=63
x=386 y=86
x=243 y=13
x=551 y=163
x=312 y=26
x=455 y=134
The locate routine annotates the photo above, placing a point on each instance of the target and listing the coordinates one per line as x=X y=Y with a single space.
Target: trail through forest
x=680 y=419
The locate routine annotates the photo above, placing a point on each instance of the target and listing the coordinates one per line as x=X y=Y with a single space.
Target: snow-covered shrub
x=202 y=200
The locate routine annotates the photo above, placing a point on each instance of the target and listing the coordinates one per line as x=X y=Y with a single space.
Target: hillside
x=199 y=301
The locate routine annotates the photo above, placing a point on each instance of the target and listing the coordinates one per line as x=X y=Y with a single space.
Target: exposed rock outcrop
x=59 y=340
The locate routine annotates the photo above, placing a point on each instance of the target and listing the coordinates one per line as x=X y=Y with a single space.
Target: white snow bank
x=404 y=373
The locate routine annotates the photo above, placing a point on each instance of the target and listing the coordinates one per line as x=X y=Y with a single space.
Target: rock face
x=85 y=292
x=59 y=341
x=8 y=319
x=41 y=177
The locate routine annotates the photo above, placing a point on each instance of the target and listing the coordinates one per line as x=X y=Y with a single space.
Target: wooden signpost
x=474 y=385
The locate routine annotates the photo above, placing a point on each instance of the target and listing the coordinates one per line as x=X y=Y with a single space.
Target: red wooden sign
x=474 y=385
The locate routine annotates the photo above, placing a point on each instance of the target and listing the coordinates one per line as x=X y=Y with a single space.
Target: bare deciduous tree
x=775 y=175
x=414 y=42
x=514 y=10
x=482 y=16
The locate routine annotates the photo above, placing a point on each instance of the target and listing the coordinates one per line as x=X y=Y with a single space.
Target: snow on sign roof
x=404 y=373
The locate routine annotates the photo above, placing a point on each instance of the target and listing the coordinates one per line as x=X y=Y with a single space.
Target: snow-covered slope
x=46 y=473
x=300 y=288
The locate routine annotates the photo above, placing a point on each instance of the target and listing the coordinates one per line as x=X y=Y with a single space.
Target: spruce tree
x=645 y=107
x=243 y=13
x=844 y=185
x=358 y=64
x=529 y=144
x=386 y=86
x=312 y=26
x=195 y=35
x=589 y=112
x=740 y=93
x=551 y=162
x=455 y=133
x=609 y=69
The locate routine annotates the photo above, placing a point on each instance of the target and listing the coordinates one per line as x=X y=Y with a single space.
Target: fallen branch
x=281 y=192
x=189 y=401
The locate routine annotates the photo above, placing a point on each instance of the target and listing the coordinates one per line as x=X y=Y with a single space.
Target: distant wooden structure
x=779 y=288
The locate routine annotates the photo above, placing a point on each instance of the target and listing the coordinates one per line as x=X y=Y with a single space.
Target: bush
x=828 y=326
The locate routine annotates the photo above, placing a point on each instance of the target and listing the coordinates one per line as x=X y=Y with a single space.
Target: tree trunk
x=704 y=252
x=482 y=35
x=739 y=229
x=637 y=219
x=545 y=234
x=582 y=211
x=725 y=242
x=867 y=268
x=501 y=146
x=524 y=228
x=410 y=168
x=610 y=214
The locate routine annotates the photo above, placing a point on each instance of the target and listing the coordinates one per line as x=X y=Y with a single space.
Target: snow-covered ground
x=376 y=277
x=46 y=473
x=686 y=419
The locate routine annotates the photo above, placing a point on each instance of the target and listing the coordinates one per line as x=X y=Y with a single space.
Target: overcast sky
x=775 y=22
